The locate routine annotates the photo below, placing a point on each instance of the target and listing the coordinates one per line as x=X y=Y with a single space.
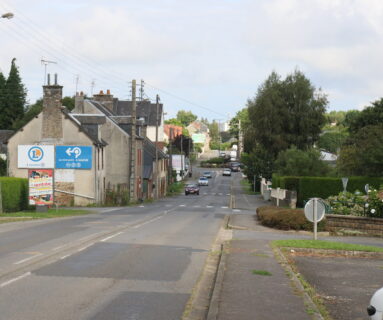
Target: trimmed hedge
x=286 y=219
x=14 y=194
x=322 y=187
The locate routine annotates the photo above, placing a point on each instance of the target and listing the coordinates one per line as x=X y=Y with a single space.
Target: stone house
x=113 y=172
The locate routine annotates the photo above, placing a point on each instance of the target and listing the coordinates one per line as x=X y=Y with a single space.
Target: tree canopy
x=287 y=112
x=13 y=98
x=186 y=117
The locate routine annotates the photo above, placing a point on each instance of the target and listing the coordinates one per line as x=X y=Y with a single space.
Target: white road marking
x=110 y=210
x=236 y=210
x=182 y=205
x=228 y=194
x=224 y=207
x=57 y=248
x=25 y=260
x=14 y=279
x=149 y=221
x=141 y=206
x=83 y=248
x=63 y=257
x=110 y=237
x=209 y=206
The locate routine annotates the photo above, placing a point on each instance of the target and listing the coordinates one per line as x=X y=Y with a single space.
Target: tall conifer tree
x=14 y=99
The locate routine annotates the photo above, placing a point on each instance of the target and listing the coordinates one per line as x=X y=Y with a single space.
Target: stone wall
x=351 y=225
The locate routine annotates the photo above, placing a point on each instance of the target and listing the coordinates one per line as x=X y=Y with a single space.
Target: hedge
x=14 y=193
x=286 y=219
x=322 y=187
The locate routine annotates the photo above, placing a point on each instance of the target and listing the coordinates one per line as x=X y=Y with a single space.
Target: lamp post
x=8 y=15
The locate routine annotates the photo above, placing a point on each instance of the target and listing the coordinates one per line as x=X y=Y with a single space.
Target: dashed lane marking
x=27 y=259
x=224 y=207
x=112 y=236
x=182 y=205
x=236 y=210
x=14 y=279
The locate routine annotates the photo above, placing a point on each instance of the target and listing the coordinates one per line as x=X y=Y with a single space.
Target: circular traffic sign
x=313 y=205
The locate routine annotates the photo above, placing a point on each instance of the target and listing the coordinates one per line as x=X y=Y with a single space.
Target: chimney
x=52 y=128
x=105 y=99
x=79 y=103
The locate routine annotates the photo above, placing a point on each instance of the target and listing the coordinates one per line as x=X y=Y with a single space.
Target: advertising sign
x=73 y=157
x=178 y=162
x=35 y=156
x=198 y=138
x=40 y=186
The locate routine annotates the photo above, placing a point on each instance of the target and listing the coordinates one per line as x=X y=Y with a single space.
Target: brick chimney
x=52 y=128
x=79 y=103
x=105 y=99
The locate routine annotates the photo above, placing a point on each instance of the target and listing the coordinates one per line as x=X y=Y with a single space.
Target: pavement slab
x=245 y=295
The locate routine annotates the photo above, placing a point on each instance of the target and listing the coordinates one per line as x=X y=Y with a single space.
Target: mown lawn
x=51 y=213
x=326 y=245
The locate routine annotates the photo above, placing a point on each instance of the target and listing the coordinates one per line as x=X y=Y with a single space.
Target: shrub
x=286 y=219
x=358 y=204
x=322 y=187
x=14 y=194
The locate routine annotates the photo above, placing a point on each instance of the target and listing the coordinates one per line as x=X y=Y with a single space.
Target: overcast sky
x=207 y=56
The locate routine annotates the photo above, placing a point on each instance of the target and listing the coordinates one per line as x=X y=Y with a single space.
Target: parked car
x=207 y=174
x=203 y=181
x=235 y=168
x=226 y=172
x=191 y=189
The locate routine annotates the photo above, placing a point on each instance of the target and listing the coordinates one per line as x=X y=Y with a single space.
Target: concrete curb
x=197 y=308
x=294 y=278
x=215 y=298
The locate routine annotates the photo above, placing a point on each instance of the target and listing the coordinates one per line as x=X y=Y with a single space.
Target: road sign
x=314 y=212
x=73 y=157
x=35 y=156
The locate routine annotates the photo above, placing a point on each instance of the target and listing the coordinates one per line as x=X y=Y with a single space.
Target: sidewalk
x=345 y=284
x=242 y=295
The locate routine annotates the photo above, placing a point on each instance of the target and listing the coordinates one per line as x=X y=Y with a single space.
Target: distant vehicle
x=203 y=181
x=226 y=172
x=191 y=189
x=222 y=154
x=235 y=166
x=207 y=174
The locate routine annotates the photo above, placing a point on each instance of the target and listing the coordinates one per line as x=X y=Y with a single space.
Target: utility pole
x=170 y=155
x=142 y=90
x=77 y=80
x=133 y=151
x=182 y=158
x=157 y=173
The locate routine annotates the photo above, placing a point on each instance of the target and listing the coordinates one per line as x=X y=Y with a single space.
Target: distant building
x=200 y=134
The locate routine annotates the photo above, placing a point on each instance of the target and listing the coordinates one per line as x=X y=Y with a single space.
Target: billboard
x=35 y=156
x=199 y=138
x=73 y=157
x=40 y=183
x=178 y=162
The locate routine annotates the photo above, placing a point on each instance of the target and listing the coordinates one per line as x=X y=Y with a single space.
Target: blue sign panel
x=73 y=157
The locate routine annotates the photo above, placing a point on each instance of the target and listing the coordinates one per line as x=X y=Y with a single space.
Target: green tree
x=174 y=121
x=68 y=102
x=186 y=117
x=372 y=115
x=287 y=112
x=32 y=111
x=14 y=102
x=363 y=153
x=332 y=140
x=295 y=162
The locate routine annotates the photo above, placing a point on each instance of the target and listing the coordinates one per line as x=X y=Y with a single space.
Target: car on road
x=203 y=181
x=207 y=174
x=191 y=188
x=226 y=172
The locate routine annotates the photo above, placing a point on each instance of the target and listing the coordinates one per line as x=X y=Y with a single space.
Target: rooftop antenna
x=45 y=63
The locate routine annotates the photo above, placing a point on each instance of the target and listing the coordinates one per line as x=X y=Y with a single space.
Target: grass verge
x=51 y=213
x=261 y=272
x=247 y=187
x=325 y=245
x=175 y=188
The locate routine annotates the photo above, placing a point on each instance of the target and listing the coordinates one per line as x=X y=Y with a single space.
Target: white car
x=203 y=181
x=226 y=172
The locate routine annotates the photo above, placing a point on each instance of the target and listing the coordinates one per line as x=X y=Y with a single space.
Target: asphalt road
x=120 y=263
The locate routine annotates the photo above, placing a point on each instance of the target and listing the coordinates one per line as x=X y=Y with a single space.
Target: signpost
x=314 y=212
x=73 y=157
x=40 y=187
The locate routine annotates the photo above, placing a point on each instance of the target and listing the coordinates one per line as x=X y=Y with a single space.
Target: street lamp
x=8 y=15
